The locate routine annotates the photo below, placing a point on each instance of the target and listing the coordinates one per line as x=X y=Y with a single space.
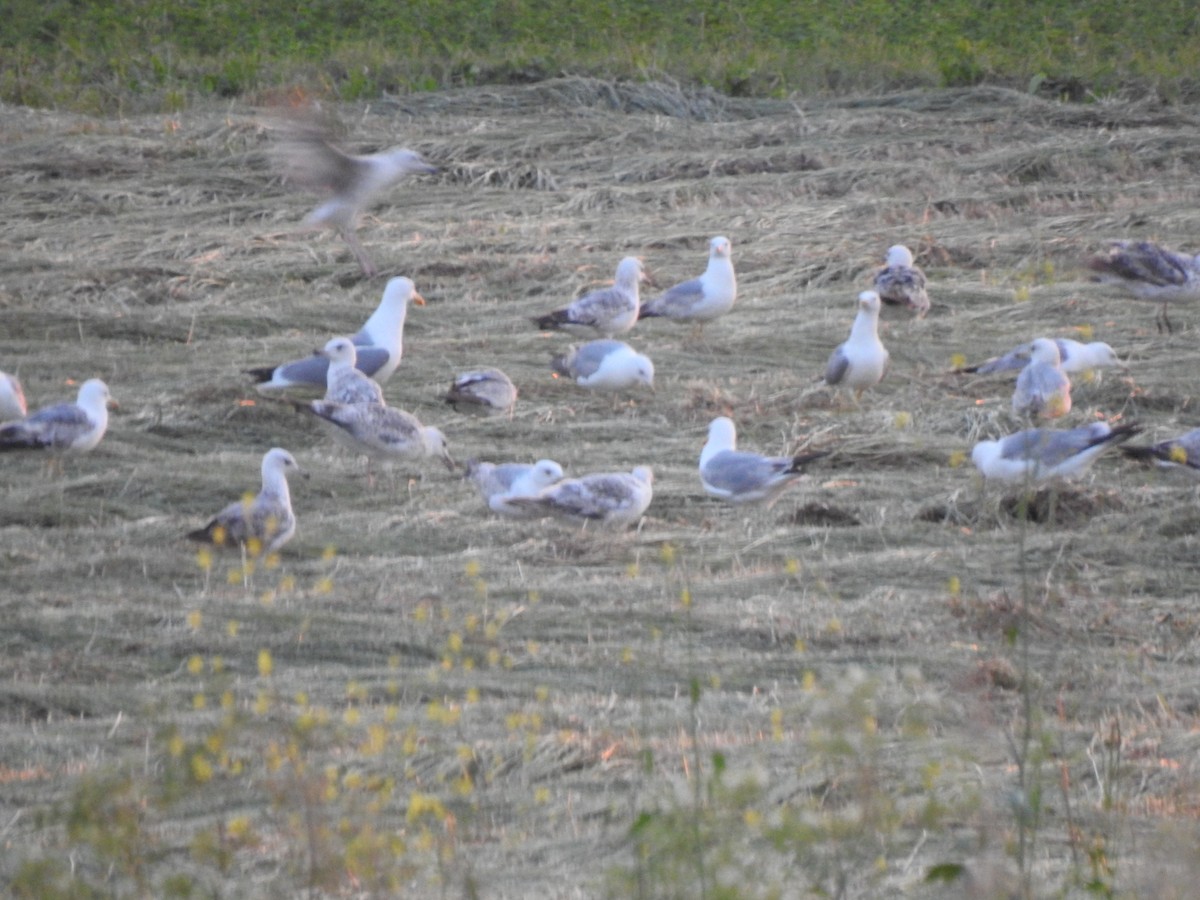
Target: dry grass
x=162 y=255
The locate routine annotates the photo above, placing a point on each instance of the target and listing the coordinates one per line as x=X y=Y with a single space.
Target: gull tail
x=799 y=462
x=552 y=321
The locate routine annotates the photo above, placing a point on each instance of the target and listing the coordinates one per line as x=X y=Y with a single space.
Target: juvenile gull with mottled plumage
x=262 y=523
x=606 y=312
x=617 y=498
x=483 y=392
x=380 y=432
x=1149 y=272
x=1043 y=390
x=901 y=283
x=378 y=346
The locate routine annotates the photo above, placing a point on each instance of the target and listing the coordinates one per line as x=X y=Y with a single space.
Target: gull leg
x=364 y=262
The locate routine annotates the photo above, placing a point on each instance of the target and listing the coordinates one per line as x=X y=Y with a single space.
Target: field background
x=887 y=679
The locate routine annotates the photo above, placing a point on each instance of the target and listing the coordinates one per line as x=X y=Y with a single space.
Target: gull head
x=435 y=445
x=630 y=273
x=869 y=302
x=984 y=454
x=1101 y=354
x=546 y=472
x=722 y=434
x=1044 y=350
x=93 y=394
x=644 y=474
x=399 y=292
x=720 y=246
x=899 y=256
x=339 y=350
x=279 y=461
x=645 y=371
x=403 y=161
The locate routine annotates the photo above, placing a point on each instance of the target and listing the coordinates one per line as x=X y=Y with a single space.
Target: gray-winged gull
x=483 y=392
x=604 y=365
x=1182 y=452
x=65 y=428
x=741 y=477
x=263 y=523
x=1039 y=454
x=1074 y=357
x=617 y=498
x=702 y=299
x=1149 y=272
x=500 y=484
x=606 y=312
x=1043 y=390
x=862 y=360
x=901 y=283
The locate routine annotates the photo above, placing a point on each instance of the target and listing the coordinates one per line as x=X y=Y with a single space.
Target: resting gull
x=350 y=181
x=499 y=484
x=1182 y=452
x=1043 y=391
x=607 y=311
x=343 y=382
x=702 y=299
x=604 y=365
x=901 y=283
x=380 y=432
x=740 y=477
x=379 y=345
x=483 y=392
x=616 y=499
x=1039 y=454
x=1074 y=357
x=264 y=523
x=862 y=360
x=1149 y=272
x=12 y=398
x=65 y=428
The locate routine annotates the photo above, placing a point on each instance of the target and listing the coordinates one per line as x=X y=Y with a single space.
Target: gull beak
x=111 y=403
x=449 y=461
x=418 y=299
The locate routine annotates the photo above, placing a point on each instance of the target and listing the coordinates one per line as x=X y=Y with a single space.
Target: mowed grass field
x=886 y=674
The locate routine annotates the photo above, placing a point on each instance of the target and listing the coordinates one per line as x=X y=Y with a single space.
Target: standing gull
x=616 y=499
x=483 y=392
x=66 y=428
x=702 y=299
x=862 y=360
x=380 y=432
x=343 y=382
x=1182 y=452
x=498 y=485
x=12 y=398
x=1043 y=391
x=1149 y=272
x=378 y=345
x=1039 y=454
x=607 y=311
x=740 y=477
x=1073 y=357
x=901 y=283
x=351 y=182
x=264 y=523
x=604 y=365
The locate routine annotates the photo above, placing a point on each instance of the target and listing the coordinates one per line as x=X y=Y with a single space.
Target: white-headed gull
x=379 y=344
x=500 y=484
x=1149 y=272
x=1043 y=390
x=1039 y=454
x=483 y=392
x=12 y=398
x=901 y=283
x=862 y=360
x=604 y=365
x=606 y=312
x=1182 y=452
x=617 y=498
x=741 y=477
x=1074 y=357
x=65 y=428
x=351 y=182
x=702 y=299
x=263 y=523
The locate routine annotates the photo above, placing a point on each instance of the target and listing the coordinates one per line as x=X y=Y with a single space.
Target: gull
x=1182 y=452
x=740 y=477
x=1043 y=391
x=261 y=524
x=380 y=432
x=65 y=428
x=702 y=299
x=862 y=360
x=1149 y=272
x=12 y=398
x=1074 y=357
x=616 y=499
x=1039 y=454
x=498 y=485
x=343 y=382
x=483 y=392
x=351 y=182
x=604 y=365
x=607 y=311
x=900 y=283
x=379 y=345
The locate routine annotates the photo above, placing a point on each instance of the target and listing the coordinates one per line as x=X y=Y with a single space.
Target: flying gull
x=65 y=428
x=1182 y=452
x=264 y=523
x=607 y=311
x=483 y=392
x=1039 y=454
x=740 y=477
x=12 y=398
x=380 y=432
x=901 y=283
x=702 y=299
x=1043 y=391
x=500 y=484
x=1073 y=356
x=379 y=345
x=616 y=499
x=351 y=182
x=604 y=365
x=1149 y=272
x=862 y=360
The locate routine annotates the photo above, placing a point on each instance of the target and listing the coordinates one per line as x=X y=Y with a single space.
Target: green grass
x=158 y=56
